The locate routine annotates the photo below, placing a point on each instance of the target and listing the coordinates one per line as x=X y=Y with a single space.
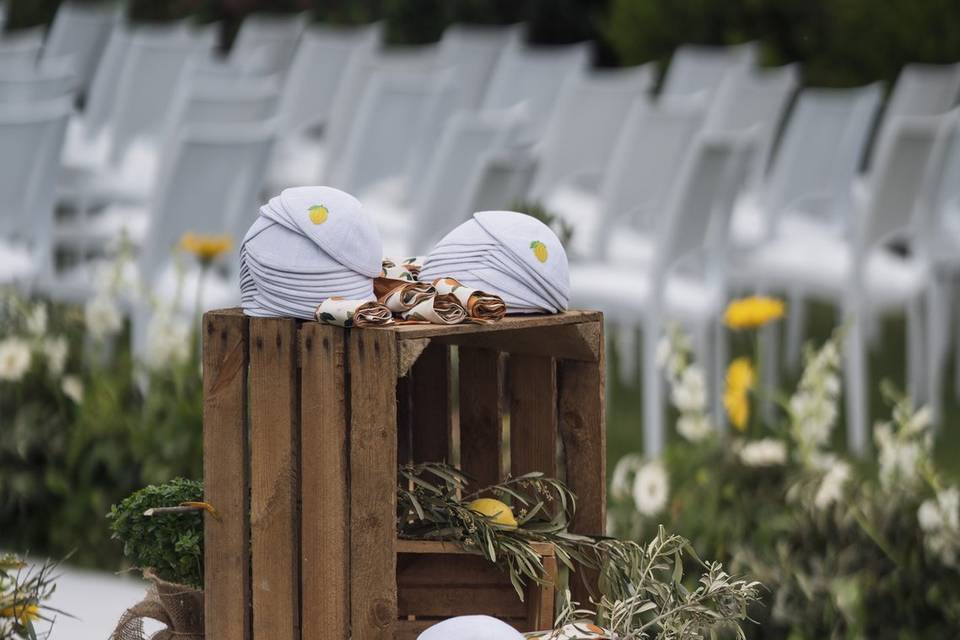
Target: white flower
x=694 y=427
x=831 y=487
x=72 y=387
x=664 y=349
x=940 y=520
x=622 y=481
x=102 y=316
x=168 y=340
x=919 y=421
x=767 y=452
x=651 y=488
x=14 y=359
x=690 y=392
x=899 y=458
x=36 y=320
x=56 y=350
x=929 y=516
x=119 y=277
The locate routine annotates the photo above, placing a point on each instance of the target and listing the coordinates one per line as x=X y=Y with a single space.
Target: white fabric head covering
x=471 y=628
x=342 y=229
x=521 y=234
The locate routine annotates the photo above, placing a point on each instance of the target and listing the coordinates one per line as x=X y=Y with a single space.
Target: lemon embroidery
x=318 y=214
x=539 y=250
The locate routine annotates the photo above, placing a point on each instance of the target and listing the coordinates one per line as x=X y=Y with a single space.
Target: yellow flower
x=24 y=613
x=752 y=312
x=498 y=512
x=740 y=379
x=206 y=248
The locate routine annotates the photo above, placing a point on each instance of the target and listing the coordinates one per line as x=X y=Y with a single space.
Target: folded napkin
x=402 y=268
x=438 y=309
x=480 y=306
x=353 y=313
x=400 y=295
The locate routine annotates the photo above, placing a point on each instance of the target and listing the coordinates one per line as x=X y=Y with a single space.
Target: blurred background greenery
x=839 y=42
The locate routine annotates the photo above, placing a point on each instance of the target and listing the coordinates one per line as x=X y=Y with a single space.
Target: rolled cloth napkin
x=480 y=305
x=401 y=296
x=353 y=313
x=438 y=309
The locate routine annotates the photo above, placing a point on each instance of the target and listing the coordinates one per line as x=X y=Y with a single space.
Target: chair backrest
x=754 y=99
x=208 y=184
x=101 y=96
x=21 y=47
x=696 y=218
x=820 y=153
x=51 y=78
x=359 y=74
x=586 y=124
x=645 y=163
x=31 y=139
x=81 y=30
x=941 y=201
x=534 y=76
x=700 y=69
x=317 y=72
x=920 y=90
x=444 y=198
x=473 y=50
x=152 y=68
x=267 y=42
x=905 y=168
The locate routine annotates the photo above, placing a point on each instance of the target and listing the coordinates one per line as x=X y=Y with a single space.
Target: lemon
x=539 y=250
x=318 y=214
x=498 y=512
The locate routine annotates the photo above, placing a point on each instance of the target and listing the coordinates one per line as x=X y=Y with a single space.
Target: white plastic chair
x=699 y=69
x=641 y=173
x=860 y=273
x=81 y=30
x=534 y=76
x=758 y=99
x=267 y=42
x=690 y=232
x=451 y=180
x=473 y=50
x=31 y=137
x=52 y=78
x=586 y=125
x=21 y=47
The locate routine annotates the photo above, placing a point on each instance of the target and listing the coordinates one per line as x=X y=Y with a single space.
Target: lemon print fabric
x=318 y=214
x=498 y=512
x=539 y=250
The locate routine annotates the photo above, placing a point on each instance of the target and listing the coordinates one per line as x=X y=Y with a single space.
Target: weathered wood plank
x=274 y=469
x=414 y=331
x=481 y=422
x=583 y=433
x=373 y=490
x=431 y=407
x=568 y=341
x=541 y=597
x=324 y=538
x=533 y=414
x=227 y=550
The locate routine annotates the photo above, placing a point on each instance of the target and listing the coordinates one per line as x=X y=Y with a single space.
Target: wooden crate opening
x=304 y=425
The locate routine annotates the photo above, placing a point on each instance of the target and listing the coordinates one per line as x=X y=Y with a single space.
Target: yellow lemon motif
x=539 y=250
x=318 y=214
x=498 y=512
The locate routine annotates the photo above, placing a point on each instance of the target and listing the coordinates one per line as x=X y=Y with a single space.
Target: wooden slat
x=430 y=399
x=569 y=341
x=414 y=331
x=324 y=538
x=583 y=432
x=533 y=414
x=226 y=552
x=274 y=468
x=373 y=477
x=481 y=427
x=540 y=599
x=445 y=547
x=436 y=570
x=450 y=600
x=405 y=419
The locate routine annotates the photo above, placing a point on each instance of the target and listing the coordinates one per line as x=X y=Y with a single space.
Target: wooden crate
x=304 y=425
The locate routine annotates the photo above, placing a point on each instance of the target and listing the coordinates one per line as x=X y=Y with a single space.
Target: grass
x=887 y=361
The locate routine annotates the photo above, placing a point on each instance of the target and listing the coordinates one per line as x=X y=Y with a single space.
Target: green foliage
x=840 y=42
x=170 y=544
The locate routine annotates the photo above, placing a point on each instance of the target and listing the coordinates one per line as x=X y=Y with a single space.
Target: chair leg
x=796 y=328
x=916 y=383
x=653 y=428
x=721 y=348
x=855 y=375
x=770 y=369
x=937 y=338
x=626 y=353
